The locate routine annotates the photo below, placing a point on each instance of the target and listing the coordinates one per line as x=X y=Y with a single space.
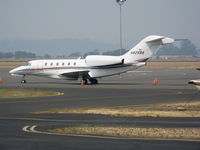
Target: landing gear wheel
x=85 y=81
x=23 y=81
x=93 y=81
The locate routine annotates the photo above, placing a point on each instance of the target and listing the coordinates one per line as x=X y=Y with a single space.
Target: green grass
x=20 y=93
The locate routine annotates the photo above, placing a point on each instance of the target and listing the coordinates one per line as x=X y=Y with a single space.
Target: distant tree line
x=117 y=52
x=186 y=48
x=17 y=55
x=96 y=52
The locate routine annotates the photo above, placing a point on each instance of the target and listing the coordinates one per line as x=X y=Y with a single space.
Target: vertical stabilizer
x=144 y=49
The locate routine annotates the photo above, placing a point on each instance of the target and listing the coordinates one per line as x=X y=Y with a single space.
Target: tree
x=23 y=54
x=115 y=52
x=188 y=48
x=75 y=54
x=6 y=55
x=47 y=56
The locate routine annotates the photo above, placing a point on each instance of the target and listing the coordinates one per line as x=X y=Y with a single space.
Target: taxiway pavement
x=127 y=89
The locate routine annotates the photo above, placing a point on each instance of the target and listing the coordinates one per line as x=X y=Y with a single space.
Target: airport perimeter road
x=131 y=89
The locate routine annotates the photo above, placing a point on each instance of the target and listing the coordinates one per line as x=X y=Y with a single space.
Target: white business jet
x=93 y=66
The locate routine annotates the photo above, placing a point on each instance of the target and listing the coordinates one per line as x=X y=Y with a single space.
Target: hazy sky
x=99 y=19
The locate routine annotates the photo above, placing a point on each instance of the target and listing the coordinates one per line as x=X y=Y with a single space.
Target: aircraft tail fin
x=144 y=49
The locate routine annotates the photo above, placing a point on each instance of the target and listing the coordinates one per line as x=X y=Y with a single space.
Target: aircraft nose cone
x=12 y=71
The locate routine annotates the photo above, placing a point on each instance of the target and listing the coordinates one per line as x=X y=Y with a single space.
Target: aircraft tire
x=93 y=81
x=23 y=81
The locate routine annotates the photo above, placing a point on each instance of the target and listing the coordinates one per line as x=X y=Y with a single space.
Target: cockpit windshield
x=27 y=64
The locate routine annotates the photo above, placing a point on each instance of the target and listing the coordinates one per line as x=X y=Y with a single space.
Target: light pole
x=120 y=2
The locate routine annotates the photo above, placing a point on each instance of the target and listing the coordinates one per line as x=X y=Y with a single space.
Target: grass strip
x=20 y=93
x=164 y=133
x=191 y=109
x=172 y=65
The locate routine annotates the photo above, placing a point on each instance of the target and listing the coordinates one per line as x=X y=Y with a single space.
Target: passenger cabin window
x=74 y=63
x=45 y=64
x=57 y=64
x=68 y=63
x=63 y=64
x=51 y=64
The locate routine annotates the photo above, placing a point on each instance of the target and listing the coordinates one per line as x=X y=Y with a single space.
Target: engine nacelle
x=101 y=60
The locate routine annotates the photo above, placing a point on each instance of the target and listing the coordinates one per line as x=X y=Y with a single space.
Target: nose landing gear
x=23 y=81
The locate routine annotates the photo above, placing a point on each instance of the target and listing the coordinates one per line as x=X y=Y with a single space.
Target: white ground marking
x=26 y=128
x=32 y=128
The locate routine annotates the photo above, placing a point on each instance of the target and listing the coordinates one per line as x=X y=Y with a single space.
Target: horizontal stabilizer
x=159 y=40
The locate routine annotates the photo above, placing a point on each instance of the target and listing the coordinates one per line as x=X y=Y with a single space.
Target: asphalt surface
x=127 y=89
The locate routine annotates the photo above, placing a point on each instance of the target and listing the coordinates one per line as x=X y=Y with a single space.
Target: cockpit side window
x=24 y=64
x=27 y=64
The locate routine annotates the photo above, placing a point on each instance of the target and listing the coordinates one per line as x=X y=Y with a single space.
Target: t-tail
x=145 y=49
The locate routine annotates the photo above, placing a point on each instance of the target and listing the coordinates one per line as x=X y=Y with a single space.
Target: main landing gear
x=91 y=81
x=84 y=81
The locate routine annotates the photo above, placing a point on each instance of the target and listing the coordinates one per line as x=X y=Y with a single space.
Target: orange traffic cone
x=1 y=81
x=82 y=83
x=155 y=82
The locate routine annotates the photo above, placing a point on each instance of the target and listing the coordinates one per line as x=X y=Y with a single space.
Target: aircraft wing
x=71 y=74
x=75 y=73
